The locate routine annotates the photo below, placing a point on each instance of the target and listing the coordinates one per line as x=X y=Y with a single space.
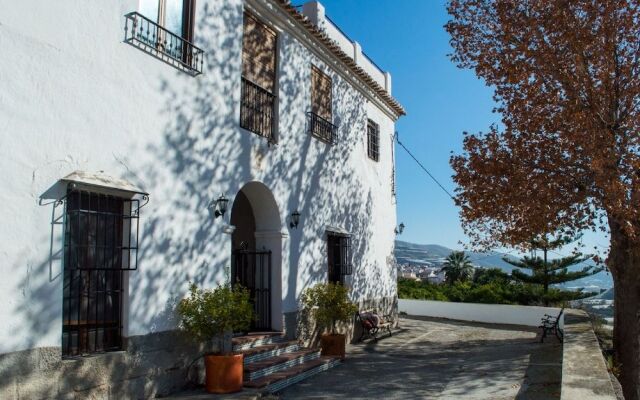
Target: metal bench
x=551 y=324
x=369 y=329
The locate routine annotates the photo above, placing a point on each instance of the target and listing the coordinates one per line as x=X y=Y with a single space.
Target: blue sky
x=407 y=38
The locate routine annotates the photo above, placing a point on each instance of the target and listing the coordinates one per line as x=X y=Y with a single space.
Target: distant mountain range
x=608 y=295
x=433 y=255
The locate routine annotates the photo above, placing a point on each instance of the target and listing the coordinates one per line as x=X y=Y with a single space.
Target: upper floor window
x=257 y=102
x=164 y=28
x=373 y=140
x=176 y=16
x=320 y=117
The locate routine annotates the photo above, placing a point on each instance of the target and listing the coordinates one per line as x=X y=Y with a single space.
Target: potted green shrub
x=215 y=314
x=328 y=304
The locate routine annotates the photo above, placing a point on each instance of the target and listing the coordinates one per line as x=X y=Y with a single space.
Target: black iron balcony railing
x=321 y=128
x=148 y=36
x=257 y=110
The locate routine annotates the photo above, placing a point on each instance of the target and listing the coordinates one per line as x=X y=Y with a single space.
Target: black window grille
x=257 y=110
x=339 y=252
x=100 y=245
x=321 y=128
x=373 y=140
x=393 y=166
x=175 y=49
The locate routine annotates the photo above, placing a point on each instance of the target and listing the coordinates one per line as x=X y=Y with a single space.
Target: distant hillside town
x=424 y=262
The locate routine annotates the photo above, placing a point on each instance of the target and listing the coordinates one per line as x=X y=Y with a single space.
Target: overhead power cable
x=425 y=169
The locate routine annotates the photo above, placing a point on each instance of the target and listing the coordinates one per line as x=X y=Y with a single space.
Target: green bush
x=328 y=303
x=218 y=312
x=489 y=293
x=484 y=290
x=483 y=276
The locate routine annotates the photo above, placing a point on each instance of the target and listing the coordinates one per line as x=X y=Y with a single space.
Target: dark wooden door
x=252 y=269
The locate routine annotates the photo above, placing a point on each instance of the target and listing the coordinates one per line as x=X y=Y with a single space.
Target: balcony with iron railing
x=257 y=110
x=321 y=128
x=146 y=35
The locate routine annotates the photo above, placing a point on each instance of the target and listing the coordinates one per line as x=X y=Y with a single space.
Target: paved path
x=443 y=359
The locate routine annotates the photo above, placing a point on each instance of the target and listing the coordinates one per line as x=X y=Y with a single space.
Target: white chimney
x=387 y=82
x=315 y=12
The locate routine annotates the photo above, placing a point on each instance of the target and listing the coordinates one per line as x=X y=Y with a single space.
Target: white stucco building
x=273 y=108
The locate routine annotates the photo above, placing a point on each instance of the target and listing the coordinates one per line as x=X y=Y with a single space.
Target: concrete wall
x=73 y=96
x=153 y=365
x=488 y=313
x=584 y=372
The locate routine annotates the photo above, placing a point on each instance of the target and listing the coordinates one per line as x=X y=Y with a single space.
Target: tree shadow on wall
x=176 y=240
x=200 y=154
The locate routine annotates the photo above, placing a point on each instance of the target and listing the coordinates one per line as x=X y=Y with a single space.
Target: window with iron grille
x=373 y=140
x=319 y=119
x=257 y=99
x=339 y=252
x=177 y=16
x=100 y=245
x=393 y=166
x=165 y=29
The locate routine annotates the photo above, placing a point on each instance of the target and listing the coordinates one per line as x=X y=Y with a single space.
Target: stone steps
x=259 y=353
x=261 y=368
x=271 y=363
x=256 y=339
x=279 y=380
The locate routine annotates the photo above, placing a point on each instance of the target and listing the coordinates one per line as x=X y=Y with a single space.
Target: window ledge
x=87 y=357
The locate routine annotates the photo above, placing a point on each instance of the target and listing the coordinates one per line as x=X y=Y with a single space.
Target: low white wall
x=489 y=313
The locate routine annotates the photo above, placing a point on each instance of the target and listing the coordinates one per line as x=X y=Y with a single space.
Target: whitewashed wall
x=317 y=13
x=73 y=96
x=488 y=313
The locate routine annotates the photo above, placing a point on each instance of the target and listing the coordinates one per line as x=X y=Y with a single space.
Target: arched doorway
x=256 y=252
x=244 y=221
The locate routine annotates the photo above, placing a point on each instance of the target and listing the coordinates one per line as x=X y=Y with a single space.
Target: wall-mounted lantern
x=399 y=229
x=220 y=206
x=295 y=220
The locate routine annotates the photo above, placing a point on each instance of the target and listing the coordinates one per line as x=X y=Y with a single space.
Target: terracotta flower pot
x=333 y=344
x=223 y=373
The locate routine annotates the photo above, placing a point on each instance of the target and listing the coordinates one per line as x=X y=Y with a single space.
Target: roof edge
x=333 y=47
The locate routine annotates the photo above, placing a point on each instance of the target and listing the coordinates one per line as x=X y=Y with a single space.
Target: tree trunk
x=546 y=280
x=624 y=262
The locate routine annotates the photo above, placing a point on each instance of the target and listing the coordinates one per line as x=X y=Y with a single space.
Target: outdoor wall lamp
x=295 y=220
x=399 y=229
x=220 y=206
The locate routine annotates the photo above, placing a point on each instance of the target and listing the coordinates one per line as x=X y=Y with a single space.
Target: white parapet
x=315 y=11
x=487 y=313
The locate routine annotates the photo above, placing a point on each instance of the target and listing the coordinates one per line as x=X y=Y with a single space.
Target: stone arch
x=255 y=209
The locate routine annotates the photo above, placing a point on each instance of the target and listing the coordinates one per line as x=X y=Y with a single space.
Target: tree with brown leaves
x=566 y=157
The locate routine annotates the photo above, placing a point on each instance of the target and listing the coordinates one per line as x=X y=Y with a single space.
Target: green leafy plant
x=457 y=267
x=218 y=312
x=497 y=291
x=328 y=304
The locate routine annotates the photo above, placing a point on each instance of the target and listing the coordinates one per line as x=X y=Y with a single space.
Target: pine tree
x=547 y=272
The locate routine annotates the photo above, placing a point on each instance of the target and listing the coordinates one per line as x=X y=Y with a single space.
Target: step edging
x=286 y=382
x=263 y=341
x=271 y=353
x=312 y=355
